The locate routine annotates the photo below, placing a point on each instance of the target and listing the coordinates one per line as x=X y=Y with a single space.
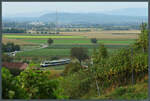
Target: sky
x=33 y=8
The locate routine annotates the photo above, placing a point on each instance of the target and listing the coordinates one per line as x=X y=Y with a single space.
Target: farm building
x=12 y=53
x=41 y=32
x=31 y=31
x=15 y=65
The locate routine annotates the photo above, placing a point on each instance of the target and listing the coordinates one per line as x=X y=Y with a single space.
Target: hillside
x=92 y=18
x=128 y=92
x=137 y=91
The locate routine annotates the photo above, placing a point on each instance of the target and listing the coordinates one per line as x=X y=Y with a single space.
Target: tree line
x=13 y=30
x=10 y=47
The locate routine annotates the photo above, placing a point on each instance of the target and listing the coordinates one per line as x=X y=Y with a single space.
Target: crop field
x=123 y=34
x=19 y=42
x=36 y=36
x=31 y=45
x=32 y=42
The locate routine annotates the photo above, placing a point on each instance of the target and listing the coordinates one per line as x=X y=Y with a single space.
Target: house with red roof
x=15 y=65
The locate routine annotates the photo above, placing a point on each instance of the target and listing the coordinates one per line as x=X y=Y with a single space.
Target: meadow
x=51 y=52
x=79 y=41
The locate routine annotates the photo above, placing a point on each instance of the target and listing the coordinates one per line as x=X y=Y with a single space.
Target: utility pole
x=56 y=29
x=49 y=28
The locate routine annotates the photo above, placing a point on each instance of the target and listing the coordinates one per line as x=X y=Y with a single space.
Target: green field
x=79 y=41
x=62 y=44
x=45 y=52
x=51 y=52
x=90 y=46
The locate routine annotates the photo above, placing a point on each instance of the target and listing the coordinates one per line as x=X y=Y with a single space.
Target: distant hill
x=92 y=18
x=128 y=16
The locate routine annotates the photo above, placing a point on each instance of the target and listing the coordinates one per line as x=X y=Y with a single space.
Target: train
x=55 y=62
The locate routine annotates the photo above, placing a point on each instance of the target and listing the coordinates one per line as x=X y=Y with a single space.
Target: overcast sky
x=13 y=8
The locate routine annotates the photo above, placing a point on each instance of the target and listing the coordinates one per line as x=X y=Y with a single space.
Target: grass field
x=79 y=41
x=51 y=52
x=44 y=52
x=90 y=46
x=33 y=42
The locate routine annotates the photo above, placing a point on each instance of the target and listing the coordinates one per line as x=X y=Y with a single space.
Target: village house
x=15 y=65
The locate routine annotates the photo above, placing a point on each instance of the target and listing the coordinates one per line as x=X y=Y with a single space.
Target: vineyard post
x=131 y=65
x=98 y=89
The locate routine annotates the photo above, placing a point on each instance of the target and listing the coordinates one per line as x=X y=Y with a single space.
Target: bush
x=94 y=40
x=15 y=71
x=6 y=58
x=80 y=53
x=72 y=68
x=10 y=47
x=38 y=84
x=54 y=58
x=30 y=84
x=50 y=41
x=101 y=54
x=76 y=85
x=11 y=88
x=142 y=41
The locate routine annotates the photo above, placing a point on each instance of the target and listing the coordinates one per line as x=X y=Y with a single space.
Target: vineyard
x=128 y=66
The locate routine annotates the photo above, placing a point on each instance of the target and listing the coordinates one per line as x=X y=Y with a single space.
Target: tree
x=10 y=47
x=94 y=40
x=6 y=58
x=39 y=85
x=50 y=41
x=3 y=47
x=103 y=51
x=71 y=68
x=17 y=47
x=80 y=53
x=101 y=54
x=143 y=38
x=10 y=86
x=14 y=30
x=30 y=84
